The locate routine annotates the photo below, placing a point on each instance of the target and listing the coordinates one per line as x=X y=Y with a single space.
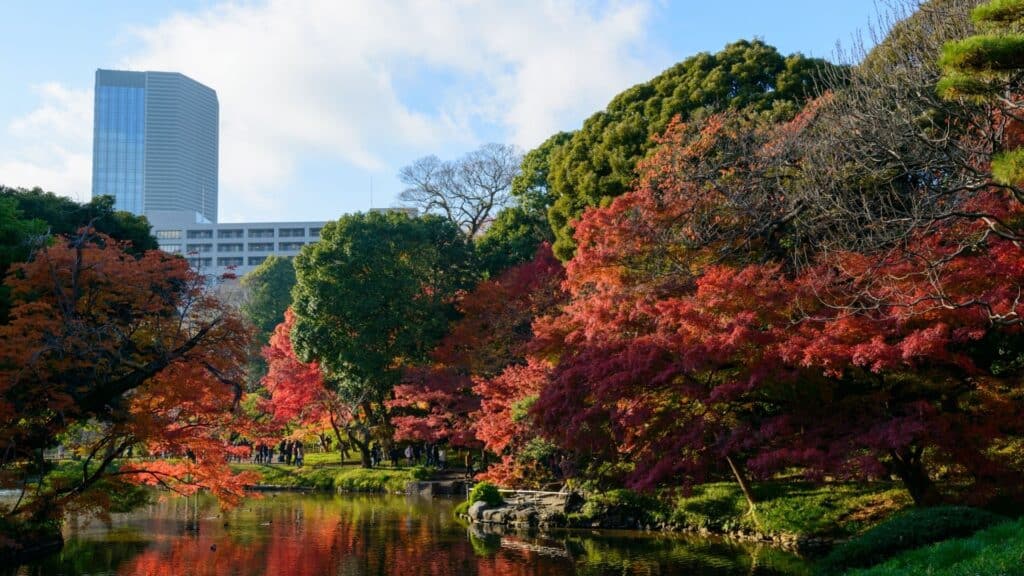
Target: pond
x=314 y=534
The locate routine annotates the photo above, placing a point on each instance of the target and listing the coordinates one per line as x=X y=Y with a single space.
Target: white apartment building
x=217 y=248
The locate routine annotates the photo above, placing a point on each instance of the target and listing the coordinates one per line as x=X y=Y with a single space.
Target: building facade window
x=199 y=248
x=230 y=233
x=200 y=234
x=261 y=246
x=171 y=248
x=314 y=232
x=290 y=246
x=119 y=142
x=230 y=261
x=291 y=232
x=261 y=233
x=155 y=142
x=168 y=234
x=200 y=262
x=230 y=247
x=256 y=260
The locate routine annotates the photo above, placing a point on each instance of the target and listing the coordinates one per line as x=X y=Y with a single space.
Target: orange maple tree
x=109 y=354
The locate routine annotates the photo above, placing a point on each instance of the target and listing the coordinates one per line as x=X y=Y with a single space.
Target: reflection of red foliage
x=319 y=538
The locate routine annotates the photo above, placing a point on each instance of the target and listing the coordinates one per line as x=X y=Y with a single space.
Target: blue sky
x=321 y=98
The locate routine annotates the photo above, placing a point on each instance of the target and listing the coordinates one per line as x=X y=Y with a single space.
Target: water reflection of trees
x=310 y=535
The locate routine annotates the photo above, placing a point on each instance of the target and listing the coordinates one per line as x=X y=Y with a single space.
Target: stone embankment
x=547 y=510
x=801 y=544
x=526 y=509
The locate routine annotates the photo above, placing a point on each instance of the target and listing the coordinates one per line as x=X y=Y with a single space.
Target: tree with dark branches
x=467 y=191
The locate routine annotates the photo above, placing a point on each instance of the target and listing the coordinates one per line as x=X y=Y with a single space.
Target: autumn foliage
x=298 y=393
x=108 y=352
x=696 y=336
x=464 y=397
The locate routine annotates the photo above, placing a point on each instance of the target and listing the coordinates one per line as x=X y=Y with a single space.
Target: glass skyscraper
x=155 y=142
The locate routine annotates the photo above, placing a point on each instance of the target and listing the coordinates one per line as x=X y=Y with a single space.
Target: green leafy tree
x=375 y=295
x=268 y=294
x=519 y=230
x=17 y=235
x=65 y=216
x=598 y=162
x=513 y=238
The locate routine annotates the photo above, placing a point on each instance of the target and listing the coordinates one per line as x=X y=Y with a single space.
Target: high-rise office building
x=155 y=143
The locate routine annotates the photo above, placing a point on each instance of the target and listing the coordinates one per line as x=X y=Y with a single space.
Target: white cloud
x=332 y=79
x=51 y=146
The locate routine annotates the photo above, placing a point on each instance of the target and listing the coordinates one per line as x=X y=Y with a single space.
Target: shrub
x=788 y=507
x=485 y=492
x=372 y=480
x=319 y=479
x=621 y=503
x=718 y=507
x=906 y=531
x=422 y=472
x=536 y=450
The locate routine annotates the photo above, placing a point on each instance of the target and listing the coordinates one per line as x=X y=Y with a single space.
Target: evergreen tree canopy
x=598 y=162
x=980 y=66
x=375 y=292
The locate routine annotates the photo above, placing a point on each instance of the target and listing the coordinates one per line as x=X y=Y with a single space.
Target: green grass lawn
x=349 y=478
x=832 y=509
x=329 y=459
x=996 y=551
x=319 y=478
x=378 y=479
x=783 y=507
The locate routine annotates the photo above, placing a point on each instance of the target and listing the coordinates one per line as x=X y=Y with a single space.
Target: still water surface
x=307 y=535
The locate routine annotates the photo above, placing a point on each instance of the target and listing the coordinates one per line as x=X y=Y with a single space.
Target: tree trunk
x=342 y=451
x=364 y=456
x=907 y=464
x=363 y=447
x=741 y=479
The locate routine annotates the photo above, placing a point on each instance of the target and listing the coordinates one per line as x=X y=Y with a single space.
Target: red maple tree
x=298 y=391
x=454 y=398
x=694 y=343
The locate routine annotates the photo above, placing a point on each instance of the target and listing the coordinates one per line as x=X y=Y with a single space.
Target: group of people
x=288 y=452
x=292 y=453
x=428 y=455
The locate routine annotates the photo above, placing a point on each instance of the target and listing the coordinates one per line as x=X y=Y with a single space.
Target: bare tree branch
x=467 y=191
